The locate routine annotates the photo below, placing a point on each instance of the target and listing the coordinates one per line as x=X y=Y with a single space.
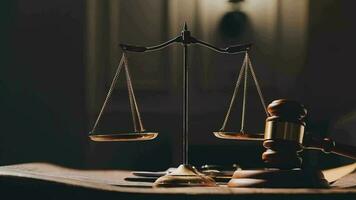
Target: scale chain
x=263 y=102
x=133 y=104
x=119 y=67
x=132 y=108
x=247 y=65
x=238 y=82
x=242 y=130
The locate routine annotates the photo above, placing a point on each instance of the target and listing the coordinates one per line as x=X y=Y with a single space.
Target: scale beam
x=185 y=38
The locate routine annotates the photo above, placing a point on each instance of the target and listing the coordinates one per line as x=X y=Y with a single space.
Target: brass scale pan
x=122 y=137
x=239 y=136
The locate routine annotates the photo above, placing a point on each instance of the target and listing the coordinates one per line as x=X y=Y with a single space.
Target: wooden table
x=46 y=181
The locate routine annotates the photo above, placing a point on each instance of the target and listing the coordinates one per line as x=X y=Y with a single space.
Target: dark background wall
x=42 y=82
x=44 y=113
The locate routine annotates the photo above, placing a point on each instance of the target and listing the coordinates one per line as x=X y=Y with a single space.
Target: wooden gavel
x=285 y=136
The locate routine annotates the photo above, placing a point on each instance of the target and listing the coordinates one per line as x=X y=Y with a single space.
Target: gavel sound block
x=283 y=140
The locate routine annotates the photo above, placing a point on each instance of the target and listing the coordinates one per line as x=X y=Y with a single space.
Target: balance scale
x=283 y=137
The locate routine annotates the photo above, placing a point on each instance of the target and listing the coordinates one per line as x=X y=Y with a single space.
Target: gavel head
x=284 y=133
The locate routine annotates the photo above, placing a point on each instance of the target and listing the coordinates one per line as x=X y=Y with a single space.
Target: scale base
x=185 y=176
x=276 y=178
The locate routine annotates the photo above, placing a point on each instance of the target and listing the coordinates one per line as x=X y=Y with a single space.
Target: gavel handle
x=328 y=145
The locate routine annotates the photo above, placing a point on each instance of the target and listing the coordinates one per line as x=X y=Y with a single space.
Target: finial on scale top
x=186 y=37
